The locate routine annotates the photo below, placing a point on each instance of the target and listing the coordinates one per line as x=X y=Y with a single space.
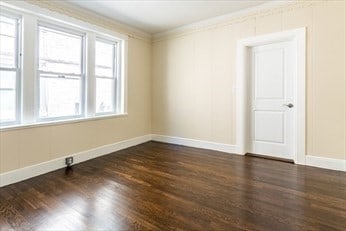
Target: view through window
x=61 y=73
x=9 y=69
x=105 y=71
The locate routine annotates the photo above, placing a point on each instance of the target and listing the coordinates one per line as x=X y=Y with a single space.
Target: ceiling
x=163 y=15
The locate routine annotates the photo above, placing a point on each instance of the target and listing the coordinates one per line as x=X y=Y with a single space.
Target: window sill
x=59 y=122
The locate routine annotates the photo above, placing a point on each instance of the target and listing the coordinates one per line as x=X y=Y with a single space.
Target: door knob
x=288 y=105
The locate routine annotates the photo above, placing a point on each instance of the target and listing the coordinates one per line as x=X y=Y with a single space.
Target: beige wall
x=194 y=76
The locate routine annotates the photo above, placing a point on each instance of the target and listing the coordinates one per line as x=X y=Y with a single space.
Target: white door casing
x=243 y=92
x=271 y=96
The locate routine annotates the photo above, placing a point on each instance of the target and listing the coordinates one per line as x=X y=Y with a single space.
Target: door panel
x=273 y=120
x=269 y=78
x=271 y=89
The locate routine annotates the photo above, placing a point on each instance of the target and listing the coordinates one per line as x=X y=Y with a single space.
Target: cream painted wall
x=194 y=76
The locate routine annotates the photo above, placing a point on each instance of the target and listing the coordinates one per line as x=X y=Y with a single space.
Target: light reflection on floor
x=96 y=213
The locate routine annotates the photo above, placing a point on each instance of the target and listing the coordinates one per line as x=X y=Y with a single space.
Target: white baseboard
x=196 y=143
x=323 y=162
x=48 y=166
x=315 y=161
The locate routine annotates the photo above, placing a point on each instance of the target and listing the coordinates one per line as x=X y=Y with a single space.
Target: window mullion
x=29 y=72
x=90 y=75
x=121 y=77
x=116 y=71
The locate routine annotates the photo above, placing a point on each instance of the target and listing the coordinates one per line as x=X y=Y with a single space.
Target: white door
x=272 y=100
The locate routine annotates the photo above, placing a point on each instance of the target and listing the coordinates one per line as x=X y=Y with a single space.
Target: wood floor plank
x=157 y=186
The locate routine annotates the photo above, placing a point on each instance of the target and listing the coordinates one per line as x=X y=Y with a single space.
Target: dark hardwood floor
x=156 y=186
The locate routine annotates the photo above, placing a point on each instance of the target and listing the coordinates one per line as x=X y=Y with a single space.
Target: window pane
x=105 y=95
x=59 y=52
x=7 y=105
x=8 y=56
x=104 y=59
x=7 y=26
x=7 y=79
x=60 y=96
x=7 y=51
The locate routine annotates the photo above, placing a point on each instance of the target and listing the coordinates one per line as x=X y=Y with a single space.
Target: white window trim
x=17 y=68
x=31 y=15
x=60 y=122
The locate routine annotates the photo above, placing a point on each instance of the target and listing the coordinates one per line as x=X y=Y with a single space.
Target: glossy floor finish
x=156 y=186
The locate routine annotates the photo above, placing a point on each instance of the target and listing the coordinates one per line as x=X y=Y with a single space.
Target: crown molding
x=80 y=14
x=70 y=10
x=269 y=8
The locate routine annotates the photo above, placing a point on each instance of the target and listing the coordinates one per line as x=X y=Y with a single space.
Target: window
x=66 y=73
x=106 y=76
x=9 y=69
x=61 y=73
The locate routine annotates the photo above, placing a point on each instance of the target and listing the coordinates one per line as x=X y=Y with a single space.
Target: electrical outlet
x=69 y=161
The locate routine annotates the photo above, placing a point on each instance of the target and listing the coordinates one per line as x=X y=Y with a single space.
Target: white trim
x=123 y=92
x=196 y=143
x=297 y=36
x=324 y=162
x=57 y=122
x=90 y=74
x=48 y=166
x=221 y=19
x=315 y=161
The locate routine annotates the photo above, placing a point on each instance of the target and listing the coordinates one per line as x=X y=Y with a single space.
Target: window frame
x=116 y=74
x=83 y=76
x=17 y=68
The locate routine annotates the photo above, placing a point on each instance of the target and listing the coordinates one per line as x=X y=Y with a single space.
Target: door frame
x=298 y=38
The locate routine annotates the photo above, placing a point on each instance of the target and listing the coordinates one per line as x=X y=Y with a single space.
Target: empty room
x=173 y=115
